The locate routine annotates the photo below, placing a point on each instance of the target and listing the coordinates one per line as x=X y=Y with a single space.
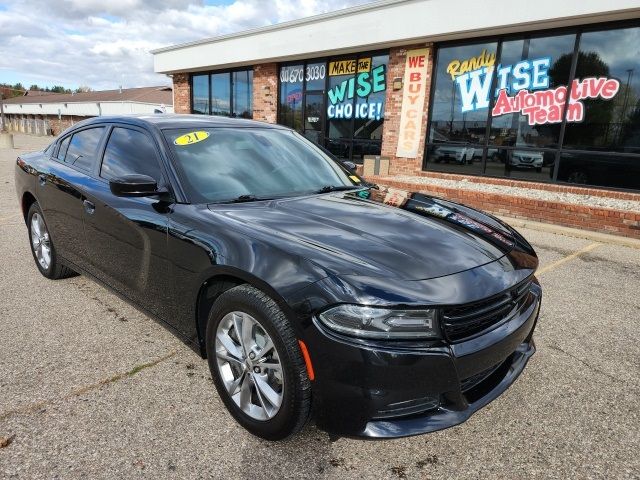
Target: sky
x=105 y=43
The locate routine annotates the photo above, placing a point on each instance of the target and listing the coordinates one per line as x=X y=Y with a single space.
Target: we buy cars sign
x=415 y=87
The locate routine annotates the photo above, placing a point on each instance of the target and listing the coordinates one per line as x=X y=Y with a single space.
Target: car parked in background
x=310 y=292
x=526 y=159
x=462 y=154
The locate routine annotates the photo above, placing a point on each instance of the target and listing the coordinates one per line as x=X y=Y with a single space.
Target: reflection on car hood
x=403 y=236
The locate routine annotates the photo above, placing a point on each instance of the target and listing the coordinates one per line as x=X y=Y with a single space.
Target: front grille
x=474 y=318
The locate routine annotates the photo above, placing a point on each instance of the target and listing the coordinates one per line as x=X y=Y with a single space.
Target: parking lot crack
x=34 y=407
x=588 y=365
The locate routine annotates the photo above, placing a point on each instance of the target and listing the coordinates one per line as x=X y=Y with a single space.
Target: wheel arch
x=218 y=282
x=28 y=199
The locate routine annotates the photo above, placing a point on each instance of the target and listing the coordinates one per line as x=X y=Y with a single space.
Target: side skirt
x=191 y=344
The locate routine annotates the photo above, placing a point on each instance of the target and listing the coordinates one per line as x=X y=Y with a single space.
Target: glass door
x=313 y=116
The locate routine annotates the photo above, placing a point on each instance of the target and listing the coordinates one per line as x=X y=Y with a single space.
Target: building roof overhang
x=384 y=24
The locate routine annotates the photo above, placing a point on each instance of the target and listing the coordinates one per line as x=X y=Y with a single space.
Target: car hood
x=409 y=237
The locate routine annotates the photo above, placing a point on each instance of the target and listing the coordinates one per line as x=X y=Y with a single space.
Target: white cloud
x=106 y=43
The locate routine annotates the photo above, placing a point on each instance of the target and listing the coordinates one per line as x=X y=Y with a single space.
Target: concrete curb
x=571 y=232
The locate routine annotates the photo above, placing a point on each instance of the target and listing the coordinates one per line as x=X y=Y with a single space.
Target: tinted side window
x=62 y=151
x=83 y=148
x=129 y=151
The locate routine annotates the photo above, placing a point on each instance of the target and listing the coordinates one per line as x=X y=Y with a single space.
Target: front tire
x=42 y=247
x=256 y=363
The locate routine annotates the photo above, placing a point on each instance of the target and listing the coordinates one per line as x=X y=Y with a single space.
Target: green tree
x=597 y=112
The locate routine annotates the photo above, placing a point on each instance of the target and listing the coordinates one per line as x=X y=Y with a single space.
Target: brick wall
x=56 y=125
x=181 y=93
x=265 y=92
x=393 y=108
x=598 y=219
x=59 y=126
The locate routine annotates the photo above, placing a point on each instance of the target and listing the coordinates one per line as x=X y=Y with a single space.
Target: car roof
x=170 y=121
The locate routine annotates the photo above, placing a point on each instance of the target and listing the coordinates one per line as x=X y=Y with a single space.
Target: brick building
x=405 y=86
x=46 y=113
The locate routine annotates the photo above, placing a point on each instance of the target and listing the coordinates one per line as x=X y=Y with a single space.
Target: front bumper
x=375 y=392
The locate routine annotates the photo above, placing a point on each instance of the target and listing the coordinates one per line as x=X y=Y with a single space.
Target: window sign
x=349 y=67
x=545 y=107
x=523 y=88
x=337 y=103
x=362 y=85
x=296 y=73
x=415 y=87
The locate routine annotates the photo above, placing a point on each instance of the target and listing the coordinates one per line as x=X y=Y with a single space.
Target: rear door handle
x=89 y=207
x=42 y=179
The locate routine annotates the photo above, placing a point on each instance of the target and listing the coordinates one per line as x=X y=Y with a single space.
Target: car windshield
x=242 y=164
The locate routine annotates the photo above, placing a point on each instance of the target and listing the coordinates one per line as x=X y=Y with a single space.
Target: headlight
x=381 y=323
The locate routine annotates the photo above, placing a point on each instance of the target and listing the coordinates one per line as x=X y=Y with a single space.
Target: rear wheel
x=256 y=363
x=42 y=247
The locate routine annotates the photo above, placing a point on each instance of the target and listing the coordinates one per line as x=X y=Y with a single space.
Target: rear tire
x=272 y=402
x=42 y=248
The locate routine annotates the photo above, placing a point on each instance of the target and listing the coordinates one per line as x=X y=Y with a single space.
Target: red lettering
x=610 y=88
x=575 y=112
x=576 y=91
x=416 y=62
x=540 y=116
x=503 y=105
x=415 y=76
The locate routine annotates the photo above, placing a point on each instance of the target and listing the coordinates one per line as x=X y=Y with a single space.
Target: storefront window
x=291 y=85
x=221 y=94
x=338 y=103
x=242 y=94
x=219 y=87
x=534 y=64
x=340 y=128
x=513 y=107
x=200 y=94
x=612 y=124
x=460 y=108
x=315 y=74
x=355 y=105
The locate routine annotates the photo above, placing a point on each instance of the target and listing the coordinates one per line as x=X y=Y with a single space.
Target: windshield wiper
x=244 y=198
x=336 y=188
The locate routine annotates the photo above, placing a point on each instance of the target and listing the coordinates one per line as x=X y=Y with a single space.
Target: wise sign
x=415 y=87
x=523 y=88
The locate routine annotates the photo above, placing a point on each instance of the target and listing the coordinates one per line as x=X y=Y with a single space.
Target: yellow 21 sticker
x=354 y=178
x=191 y=137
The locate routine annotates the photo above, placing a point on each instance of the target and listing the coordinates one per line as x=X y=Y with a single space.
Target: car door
x=126 y=237
x=59 y=190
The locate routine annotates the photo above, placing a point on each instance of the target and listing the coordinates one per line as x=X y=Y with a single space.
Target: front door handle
x=42 y=179
x=89 y=207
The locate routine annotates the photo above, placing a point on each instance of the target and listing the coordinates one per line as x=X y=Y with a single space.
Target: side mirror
x=133 y=186
x=350 y=166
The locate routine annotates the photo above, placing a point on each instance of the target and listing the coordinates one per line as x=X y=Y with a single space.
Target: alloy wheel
x=249 y=365
x=40 y=241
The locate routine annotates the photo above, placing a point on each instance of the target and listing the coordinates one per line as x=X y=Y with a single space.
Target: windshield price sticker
x=191 y=137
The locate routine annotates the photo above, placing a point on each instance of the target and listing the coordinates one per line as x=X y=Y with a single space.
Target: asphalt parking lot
x=92 y=388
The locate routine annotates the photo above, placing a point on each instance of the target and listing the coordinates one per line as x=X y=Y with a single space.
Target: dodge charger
x=312 y=293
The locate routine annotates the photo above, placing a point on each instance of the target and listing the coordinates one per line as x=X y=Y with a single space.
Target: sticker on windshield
x=354 y=178
x=191 y=137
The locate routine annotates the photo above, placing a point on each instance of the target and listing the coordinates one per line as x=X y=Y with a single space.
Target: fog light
x=408 y=407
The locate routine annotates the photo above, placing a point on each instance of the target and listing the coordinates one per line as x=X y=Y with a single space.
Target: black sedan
x=381 y=313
